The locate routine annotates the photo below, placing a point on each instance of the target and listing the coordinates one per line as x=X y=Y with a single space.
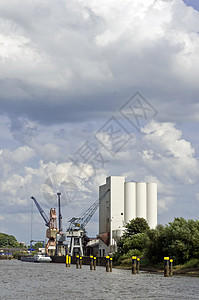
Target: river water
x=24 y=280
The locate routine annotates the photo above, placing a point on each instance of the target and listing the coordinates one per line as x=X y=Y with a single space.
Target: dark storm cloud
x=23 y=131
x=71 y=62
x=50 y=107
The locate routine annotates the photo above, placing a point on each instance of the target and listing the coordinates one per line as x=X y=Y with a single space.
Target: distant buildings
x=123 y=201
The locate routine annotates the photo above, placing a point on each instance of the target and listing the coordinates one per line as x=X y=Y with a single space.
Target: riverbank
x=6 y=257
x=177 y=270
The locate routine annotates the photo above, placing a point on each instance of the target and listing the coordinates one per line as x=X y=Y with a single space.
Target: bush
x=128 y=255
x=18 y=253
x=192 y=263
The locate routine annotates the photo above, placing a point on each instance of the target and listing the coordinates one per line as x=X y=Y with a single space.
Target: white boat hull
x=36 y=258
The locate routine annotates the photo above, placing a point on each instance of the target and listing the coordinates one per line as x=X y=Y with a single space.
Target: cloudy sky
x=94 y=88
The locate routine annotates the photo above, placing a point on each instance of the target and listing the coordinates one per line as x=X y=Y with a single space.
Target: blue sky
x=193 y=3
x=87 y=93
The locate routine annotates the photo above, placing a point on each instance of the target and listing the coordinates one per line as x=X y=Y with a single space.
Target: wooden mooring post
x=94 y=262
x=171 y=267
x=80 y=262
x=134 y=262
x=166 y=266
x=107 y=263
x=67 y=261
x=91 y=262
x=77 y=261
x=111 y=264
x=138 y=265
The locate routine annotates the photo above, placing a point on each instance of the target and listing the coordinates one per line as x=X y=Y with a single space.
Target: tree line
x=8 y=241
x=178 y=240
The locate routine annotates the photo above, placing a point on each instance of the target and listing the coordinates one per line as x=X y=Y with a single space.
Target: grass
x=192 y=263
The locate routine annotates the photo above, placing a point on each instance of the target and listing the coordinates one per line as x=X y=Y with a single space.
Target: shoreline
x=183 y=271
x=190 y=272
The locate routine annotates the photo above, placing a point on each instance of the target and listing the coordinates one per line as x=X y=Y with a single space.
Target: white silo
x=129 y=201
x=152 y=204
x=141 y=201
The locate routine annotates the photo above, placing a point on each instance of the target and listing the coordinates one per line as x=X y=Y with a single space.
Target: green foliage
x=18 y=254
x=192 y=263
x=130 y=253
x=8 y=241
x=135 y=226
x=178 y=240
x=126 y=259
x=137 y=241
x=155 y=243
x=38 y=245
x=134 y=240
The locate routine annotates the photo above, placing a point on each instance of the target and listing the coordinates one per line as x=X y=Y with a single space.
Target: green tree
x=8 y=240
x=179 y=240
x=137 y=241
x=155 y=244
x=134 y=237
x=135 y=226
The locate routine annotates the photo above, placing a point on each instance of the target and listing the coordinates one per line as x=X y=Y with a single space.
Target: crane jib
x=41 y=211
x=82 y=221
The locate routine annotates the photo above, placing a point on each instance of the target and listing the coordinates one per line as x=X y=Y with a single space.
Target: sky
x=90 y=89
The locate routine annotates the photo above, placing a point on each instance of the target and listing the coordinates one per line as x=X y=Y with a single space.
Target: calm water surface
x=24 y=280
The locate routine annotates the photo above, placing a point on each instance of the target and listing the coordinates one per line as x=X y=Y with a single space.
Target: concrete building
x=123 y=201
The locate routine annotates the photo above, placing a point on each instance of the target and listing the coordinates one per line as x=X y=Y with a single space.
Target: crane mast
x=76 y=230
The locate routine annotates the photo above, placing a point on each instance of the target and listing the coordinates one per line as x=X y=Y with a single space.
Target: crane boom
x=41 y=211
x=82 y=221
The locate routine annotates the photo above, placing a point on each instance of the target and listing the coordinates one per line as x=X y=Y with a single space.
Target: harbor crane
x=55 y=236
x=82 y=221
x=76 y=230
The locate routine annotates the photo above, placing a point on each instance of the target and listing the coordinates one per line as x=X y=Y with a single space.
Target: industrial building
x=123 y=201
